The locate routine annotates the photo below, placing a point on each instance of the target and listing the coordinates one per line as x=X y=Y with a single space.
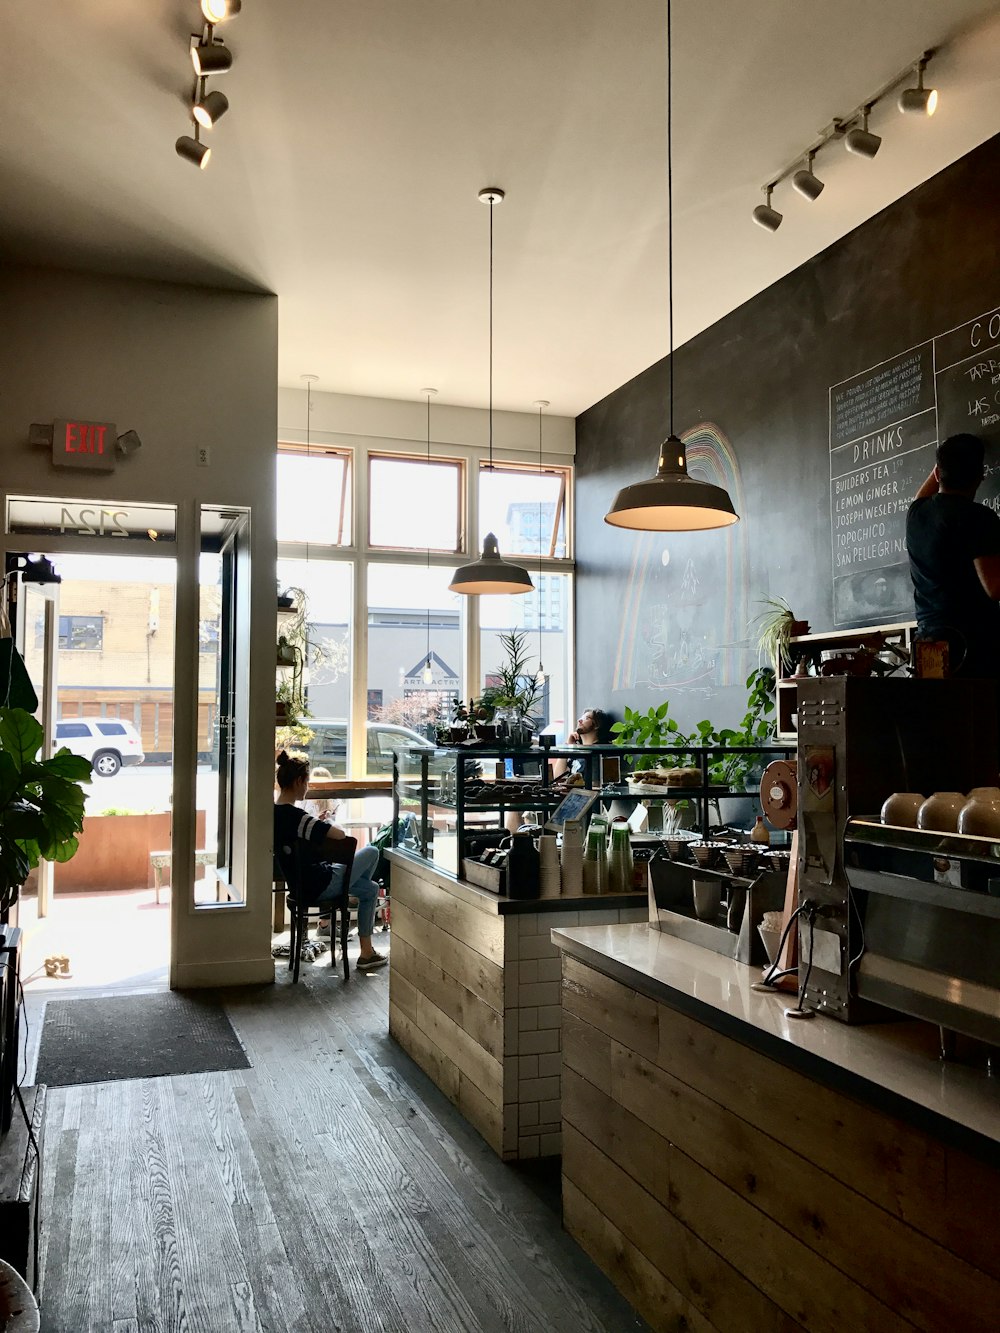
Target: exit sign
x=84 y=444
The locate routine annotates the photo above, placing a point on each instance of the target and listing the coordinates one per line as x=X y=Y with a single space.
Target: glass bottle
x=620 y=858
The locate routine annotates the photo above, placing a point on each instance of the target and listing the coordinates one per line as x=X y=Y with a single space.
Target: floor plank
x=328 y=1187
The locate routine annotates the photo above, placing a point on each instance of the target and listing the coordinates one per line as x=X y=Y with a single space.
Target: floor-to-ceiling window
x=372 y=536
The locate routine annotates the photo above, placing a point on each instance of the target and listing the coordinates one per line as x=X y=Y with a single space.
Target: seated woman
x=325 y=881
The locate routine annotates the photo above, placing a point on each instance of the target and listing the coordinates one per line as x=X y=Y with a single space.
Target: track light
x=217 y=11
x=193 y=151
x=210 y=109
x=764 y=215
x=210 y=58
x=860 y=140
x=807 y=182
x=919 y=101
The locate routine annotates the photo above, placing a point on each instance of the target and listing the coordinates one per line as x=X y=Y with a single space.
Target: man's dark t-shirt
x=292 y=823
x=945 y=535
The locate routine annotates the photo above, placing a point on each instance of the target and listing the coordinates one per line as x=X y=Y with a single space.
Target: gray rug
x=135 y=1036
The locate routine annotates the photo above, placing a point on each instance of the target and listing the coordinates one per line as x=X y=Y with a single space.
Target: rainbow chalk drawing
x=710 y=458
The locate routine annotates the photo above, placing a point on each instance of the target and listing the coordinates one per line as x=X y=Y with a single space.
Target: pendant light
x=491 y=573
x=672 y=501
x=541 y=404
x=428 y=671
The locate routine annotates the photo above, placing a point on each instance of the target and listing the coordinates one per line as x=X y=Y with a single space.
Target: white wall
x=184 y=367
x=388 y=423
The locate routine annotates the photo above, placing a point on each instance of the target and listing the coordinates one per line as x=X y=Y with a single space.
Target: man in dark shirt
x=954 y=549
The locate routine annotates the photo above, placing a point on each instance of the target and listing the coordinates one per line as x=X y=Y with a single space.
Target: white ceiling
x=345 y=176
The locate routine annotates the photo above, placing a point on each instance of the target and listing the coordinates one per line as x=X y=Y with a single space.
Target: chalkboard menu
x=884 y=425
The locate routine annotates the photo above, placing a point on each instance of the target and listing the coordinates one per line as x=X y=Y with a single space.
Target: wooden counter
x=734 y=1170
x=474 y=997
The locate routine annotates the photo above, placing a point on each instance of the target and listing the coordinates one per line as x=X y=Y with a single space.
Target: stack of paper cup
x=548 y=860
x=571 y=860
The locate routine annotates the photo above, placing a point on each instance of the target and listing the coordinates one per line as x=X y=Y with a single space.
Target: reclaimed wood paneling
x=694 y=1150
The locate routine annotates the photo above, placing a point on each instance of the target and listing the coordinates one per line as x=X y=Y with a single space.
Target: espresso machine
x=898 y=919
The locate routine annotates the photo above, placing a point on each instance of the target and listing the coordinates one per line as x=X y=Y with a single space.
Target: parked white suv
x=107 y=742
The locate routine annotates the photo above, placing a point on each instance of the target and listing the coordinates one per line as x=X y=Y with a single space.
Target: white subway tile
x=549 y=1064
x=538 y=946
x=527 y=1116
x=547 y=969
x=541 y=1042
x=528 y=1146
x=527 y=971
x=550 y=1145
x=554 y=920
x=538 y=1089
x=527 y=1067
x=550 y=1016
x=550 y=1111
x=543 y=992
x=527 y=1017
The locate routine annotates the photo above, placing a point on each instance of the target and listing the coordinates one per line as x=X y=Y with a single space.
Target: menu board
x=884 y=425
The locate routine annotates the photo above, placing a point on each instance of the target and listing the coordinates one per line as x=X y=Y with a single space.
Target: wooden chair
x=293 y=862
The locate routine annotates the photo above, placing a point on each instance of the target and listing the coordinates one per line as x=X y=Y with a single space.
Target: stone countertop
x=496 y=904
x=892 y=1066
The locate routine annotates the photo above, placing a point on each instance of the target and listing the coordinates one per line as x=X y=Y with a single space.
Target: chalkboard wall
x=817 y=404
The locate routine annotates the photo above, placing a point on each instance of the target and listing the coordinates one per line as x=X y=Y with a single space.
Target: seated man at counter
x=953 y=545
x=592 y=728
x=325 y=881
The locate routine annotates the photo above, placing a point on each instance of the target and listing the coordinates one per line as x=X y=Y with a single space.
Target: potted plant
x=41 y=802
x=291 y=651
x=776 y=627
x=516 y=690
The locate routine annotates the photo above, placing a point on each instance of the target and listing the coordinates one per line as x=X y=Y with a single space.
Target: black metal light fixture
x=491 y=573
x=210 y=107
x=37 y=569
x=428 y=672
x=672 y=501
x=217 y=11
x=210 y=57
x=193 y=150
x=860 y=140
x=805 y=181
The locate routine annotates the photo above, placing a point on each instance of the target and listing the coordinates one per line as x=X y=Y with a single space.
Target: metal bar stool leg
x=345 y=930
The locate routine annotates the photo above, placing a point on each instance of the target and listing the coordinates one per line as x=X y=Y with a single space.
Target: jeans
x=362 y=886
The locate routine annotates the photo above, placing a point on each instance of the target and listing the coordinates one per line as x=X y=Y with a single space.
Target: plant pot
x=486 y=731
x=286 y=603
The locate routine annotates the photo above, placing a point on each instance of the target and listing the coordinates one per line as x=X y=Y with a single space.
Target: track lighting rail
x=853 y=128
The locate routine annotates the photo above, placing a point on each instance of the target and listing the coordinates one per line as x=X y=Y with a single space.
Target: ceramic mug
x=901 y=808
x=980 y=815
x=939 y=813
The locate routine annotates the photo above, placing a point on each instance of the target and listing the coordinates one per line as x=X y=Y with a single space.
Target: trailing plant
x=775 y=626
x=41 y=802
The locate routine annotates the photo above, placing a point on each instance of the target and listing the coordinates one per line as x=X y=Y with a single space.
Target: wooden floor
x=329 y=1187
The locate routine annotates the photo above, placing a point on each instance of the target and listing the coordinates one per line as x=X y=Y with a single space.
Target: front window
x=314 y=495
x=525 y=509
x=413 y=504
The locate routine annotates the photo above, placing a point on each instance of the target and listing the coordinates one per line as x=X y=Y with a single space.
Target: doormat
x=135 y=1036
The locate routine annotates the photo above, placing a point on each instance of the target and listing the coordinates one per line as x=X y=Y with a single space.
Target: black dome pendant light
x=672 y=501
x=491 y=573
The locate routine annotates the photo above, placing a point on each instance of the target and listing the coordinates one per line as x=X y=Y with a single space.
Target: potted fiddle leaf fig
x=41 y=802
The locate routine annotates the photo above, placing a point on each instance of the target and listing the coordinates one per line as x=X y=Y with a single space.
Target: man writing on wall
x=954 y=548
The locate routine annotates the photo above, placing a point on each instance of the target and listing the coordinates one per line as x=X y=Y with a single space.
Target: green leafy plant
x=518 y=687
x=656 y=727
x=775 y=626
x=41 y=802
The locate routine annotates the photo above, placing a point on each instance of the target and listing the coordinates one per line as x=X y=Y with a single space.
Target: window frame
x=362 y=556
x=346 y=485
x=382 y=455
x=564 y=473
